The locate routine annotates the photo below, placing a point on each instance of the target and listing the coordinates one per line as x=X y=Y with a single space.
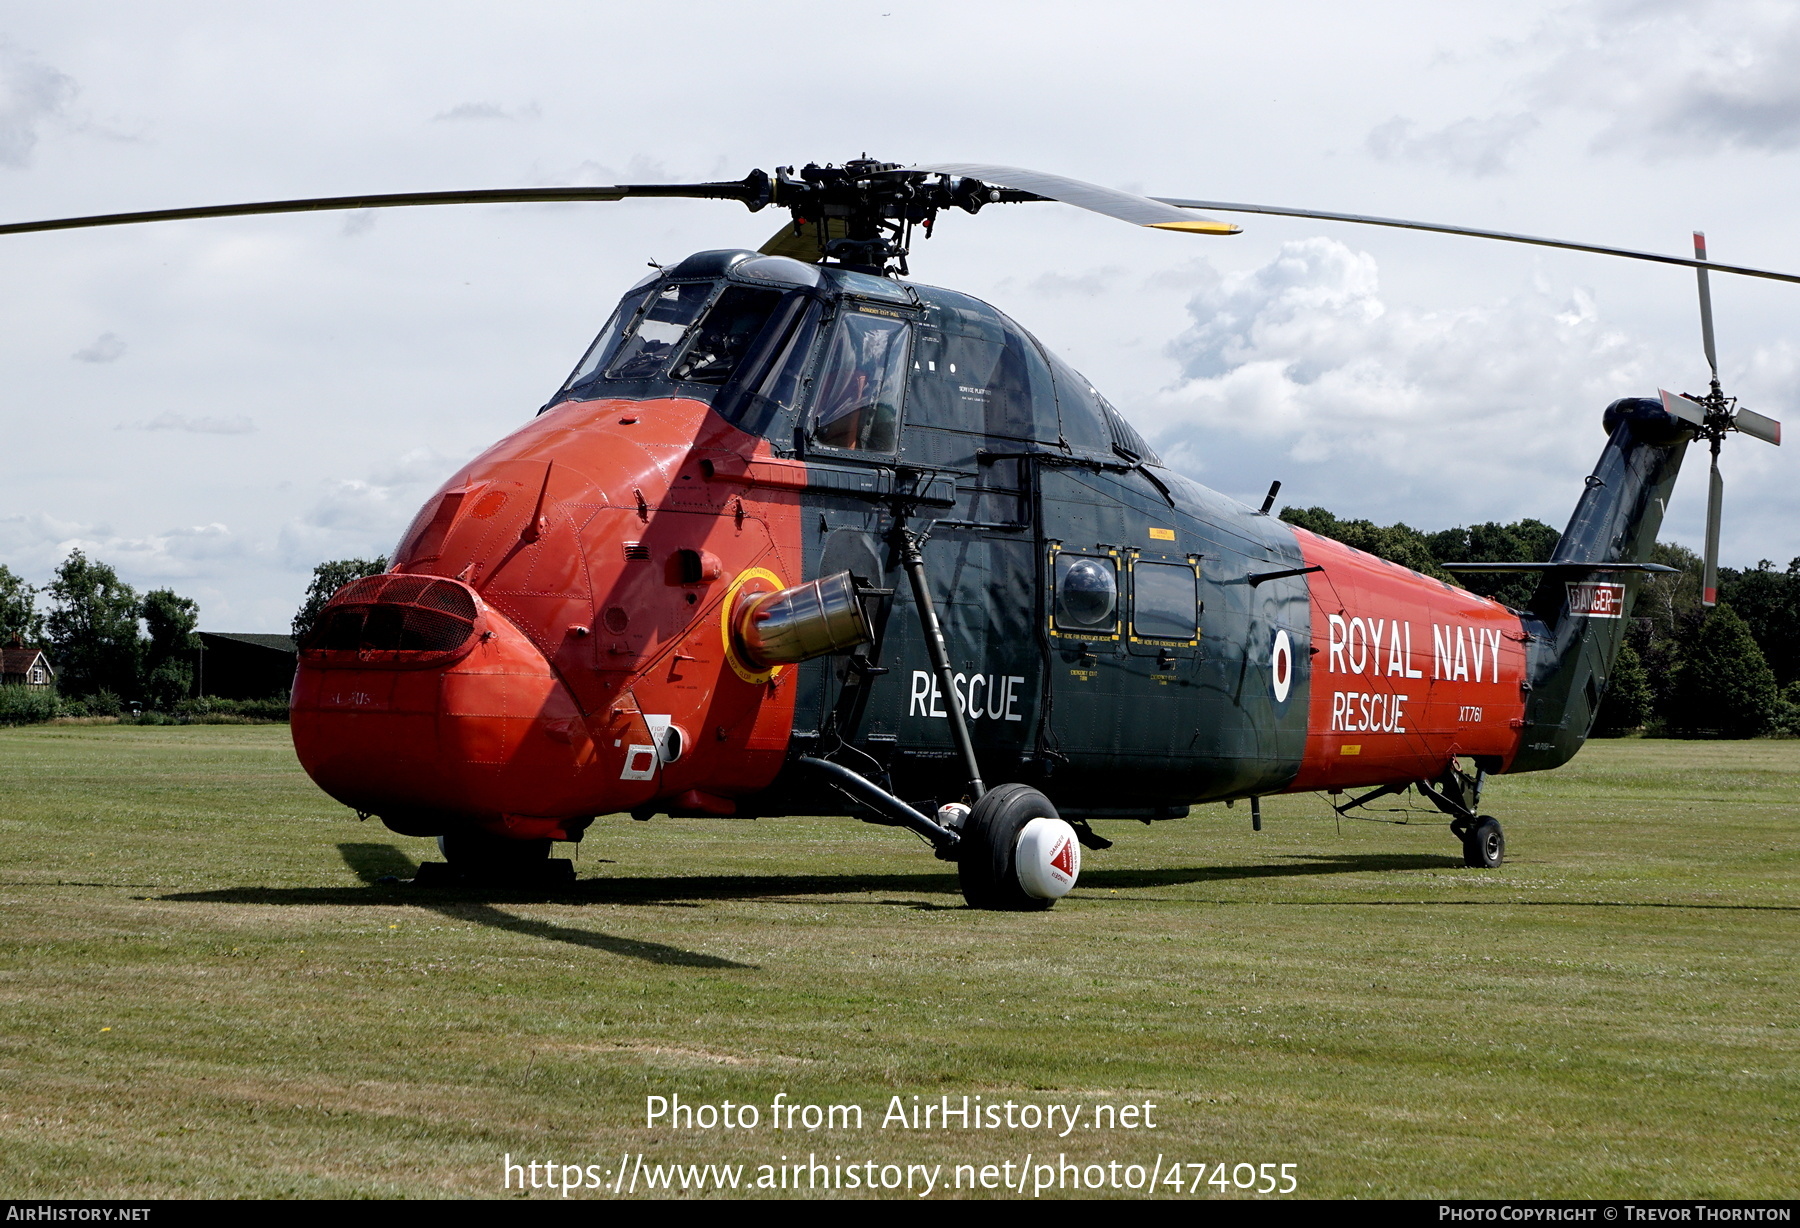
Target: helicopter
x=800 y=535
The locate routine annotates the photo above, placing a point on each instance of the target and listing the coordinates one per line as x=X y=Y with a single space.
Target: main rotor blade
x=1757 y=426
x=1706 y=327
x=1715 y=504
x=745 y=191
x=1126 y=206
x=1475 y=233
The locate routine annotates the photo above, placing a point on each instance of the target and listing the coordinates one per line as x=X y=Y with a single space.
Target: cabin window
x=672 y=311
x=1165 y=601
x=987 y=386
x=726 y=335
x=1087 y=594
x=1079 y=410
x=858 y=407
x=37 y=675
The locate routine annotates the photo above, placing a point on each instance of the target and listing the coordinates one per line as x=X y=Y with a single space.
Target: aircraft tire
x=1485 y=847
x=988 y=865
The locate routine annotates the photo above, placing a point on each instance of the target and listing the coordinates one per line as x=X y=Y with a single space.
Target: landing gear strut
x=1458 y=795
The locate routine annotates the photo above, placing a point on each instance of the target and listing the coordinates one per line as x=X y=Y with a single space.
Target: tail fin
x=1577 y=618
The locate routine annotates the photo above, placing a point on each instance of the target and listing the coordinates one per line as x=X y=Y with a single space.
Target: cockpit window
x=725 y=336
x=859 y=388
x=601 y=352
x=660 y=330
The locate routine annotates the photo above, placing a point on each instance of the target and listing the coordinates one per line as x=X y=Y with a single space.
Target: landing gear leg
x=1458 y=794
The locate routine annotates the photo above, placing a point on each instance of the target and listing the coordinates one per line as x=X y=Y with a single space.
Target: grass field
x=207 y=992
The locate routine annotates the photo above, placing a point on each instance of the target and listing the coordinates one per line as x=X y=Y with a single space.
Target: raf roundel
x=1281 y=666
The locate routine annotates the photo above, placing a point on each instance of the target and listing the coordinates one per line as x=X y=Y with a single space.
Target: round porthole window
x=1087 y=592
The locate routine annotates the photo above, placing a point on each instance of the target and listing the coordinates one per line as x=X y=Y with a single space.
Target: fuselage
x=554 y=640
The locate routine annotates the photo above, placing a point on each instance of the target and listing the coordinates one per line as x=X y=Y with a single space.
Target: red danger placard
x=1597 y=600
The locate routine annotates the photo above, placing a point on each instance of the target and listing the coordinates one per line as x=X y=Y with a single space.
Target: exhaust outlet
x=800 y=623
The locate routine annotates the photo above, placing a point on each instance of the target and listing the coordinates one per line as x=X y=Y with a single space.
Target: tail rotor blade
x=1706 y=323
x=1715 y=502
x=1757 y=426
x=1685 y=408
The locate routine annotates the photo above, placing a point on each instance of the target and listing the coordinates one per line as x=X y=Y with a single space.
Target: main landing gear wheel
x=1016 y=854
x=480 y=858
x=1484 y=845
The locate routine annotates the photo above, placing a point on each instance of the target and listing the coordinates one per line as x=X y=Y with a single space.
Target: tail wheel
x=1485 y=846
x=1016 y=854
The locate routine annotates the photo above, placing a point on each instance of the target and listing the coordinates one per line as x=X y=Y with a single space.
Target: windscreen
x=660 y=331
x=607 y=343
x=725 y=336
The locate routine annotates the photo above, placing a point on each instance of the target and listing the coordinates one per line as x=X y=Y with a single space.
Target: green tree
x=18 y=611
x=1723 y=685
x=328 y=578
x=1666 y=615
x=168 y=675
x=1523 y=541
x=1769 y=601
x=93 y=628
x=1629 y=700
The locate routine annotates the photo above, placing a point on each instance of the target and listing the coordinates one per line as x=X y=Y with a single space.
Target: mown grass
x=206 y=992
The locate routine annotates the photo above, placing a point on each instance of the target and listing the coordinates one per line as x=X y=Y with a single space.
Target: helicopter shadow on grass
x=383 y=868
x=1299 y=865
x=1296 y=866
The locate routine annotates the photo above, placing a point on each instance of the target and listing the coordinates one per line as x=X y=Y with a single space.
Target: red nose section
x=416 y=701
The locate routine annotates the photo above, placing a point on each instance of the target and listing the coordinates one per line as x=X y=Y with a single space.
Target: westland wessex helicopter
x=800 y=536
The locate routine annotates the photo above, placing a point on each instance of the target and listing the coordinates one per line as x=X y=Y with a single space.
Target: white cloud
x=1468 y=410
x=107 y=347
x=364 y=517
x=1470 y=146
x=1680 y=79
x=1088 y=283
x=171 y=421
x=31 y=94
x=36 y=544
x=488 y=110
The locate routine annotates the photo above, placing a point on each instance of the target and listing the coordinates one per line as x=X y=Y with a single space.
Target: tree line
x=115 y=651
x=108 y=645
x=1732 y=671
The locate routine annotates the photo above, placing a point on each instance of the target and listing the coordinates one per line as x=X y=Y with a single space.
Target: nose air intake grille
x=421 y=618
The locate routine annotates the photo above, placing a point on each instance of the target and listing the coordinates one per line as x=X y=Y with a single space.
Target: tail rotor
x=1712 y=416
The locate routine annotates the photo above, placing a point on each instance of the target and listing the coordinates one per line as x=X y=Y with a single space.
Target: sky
x=217 y=406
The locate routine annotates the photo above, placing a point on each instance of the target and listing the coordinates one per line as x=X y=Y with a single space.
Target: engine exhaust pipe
x=800 y=623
